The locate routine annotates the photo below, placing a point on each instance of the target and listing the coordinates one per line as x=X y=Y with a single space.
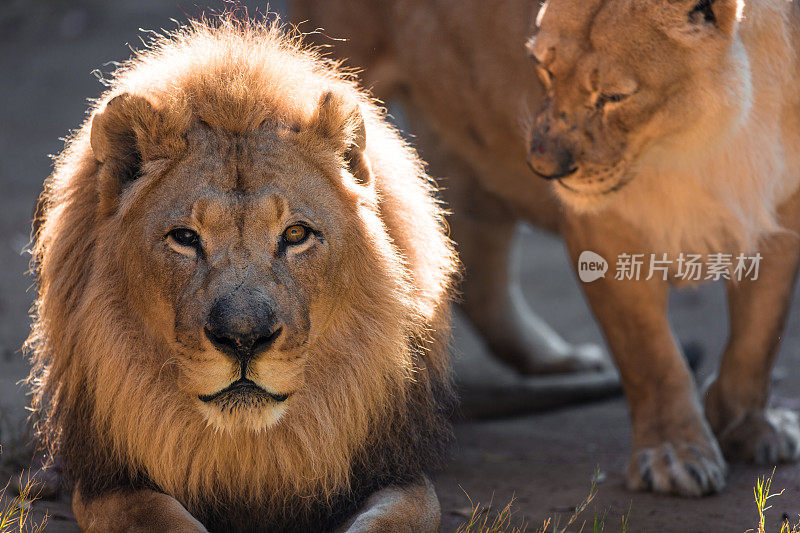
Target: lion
x=660 y=127
x=244 y=283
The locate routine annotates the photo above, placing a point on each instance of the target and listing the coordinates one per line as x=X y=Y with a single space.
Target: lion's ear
x=340 y=120
x=119 y=131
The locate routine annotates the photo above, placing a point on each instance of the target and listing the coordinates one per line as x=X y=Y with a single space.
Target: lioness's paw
x=683 y=469
x=763 y=437
x=588 y=357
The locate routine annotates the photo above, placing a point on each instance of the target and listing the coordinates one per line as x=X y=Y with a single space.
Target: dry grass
x=15 y=513
x=762 y=495
x=482 y=520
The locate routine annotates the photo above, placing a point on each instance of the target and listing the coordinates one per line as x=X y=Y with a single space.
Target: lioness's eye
x=185 y=237
x=604 y=99
x=613 y=97
x=295 y=234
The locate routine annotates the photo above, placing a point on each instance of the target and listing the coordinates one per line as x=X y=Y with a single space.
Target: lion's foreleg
x=674 y=450
x=412 y=508
x=132 y=511
x=484 y=227
x=737 y=401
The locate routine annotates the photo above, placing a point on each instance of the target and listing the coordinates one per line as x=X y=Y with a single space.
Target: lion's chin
x=243 y=405
x=589 y=196
x=243 y=417
x=243 y=391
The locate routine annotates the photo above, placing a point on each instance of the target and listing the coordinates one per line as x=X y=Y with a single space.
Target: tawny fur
x=718 y=186
x=377 y=371
x=714 y=186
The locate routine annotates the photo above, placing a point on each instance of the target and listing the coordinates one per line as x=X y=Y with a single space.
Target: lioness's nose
x=243 y=330
x=549 y=159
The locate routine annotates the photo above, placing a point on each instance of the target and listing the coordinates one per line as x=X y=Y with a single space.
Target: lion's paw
x=763 y=437
x=567 y=359
x=684 y=469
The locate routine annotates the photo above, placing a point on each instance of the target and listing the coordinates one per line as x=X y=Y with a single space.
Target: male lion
x=665 y=126
x=244 y=290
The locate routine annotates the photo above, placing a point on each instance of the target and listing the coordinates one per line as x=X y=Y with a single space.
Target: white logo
x=687 y=267
x=591 y=266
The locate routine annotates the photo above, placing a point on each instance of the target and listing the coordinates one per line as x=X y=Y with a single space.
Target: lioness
x=664 y=126
x=463 y=74
x=244 y=288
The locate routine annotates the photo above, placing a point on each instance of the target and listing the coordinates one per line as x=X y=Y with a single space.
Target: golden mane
x=374 y=410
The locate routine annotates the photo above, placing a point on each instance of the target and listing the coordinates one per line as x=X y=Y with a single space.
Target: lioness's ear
x=117 y=135
x=705 y=14
x=340 y=120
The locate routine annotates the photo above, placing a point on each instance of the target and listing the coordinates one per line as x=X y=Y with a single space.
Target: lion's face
x=238 y=267
x=631 y=83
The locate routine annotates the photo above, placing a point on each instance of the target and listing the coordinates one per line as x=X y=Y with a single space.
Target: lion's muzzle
x=242 y=327
x=550 y=159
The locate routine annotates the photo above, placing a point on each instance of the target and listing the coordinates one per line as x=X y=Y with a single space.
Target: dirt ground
x=544 y=461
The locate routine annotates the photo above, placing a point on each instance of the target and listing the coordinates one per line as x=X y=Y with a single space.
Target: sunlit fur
x=707 y=147
x=104 y=379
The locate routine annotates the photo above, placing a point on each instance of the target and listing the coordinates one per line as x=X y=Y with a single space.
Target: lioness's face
x=631 y=83
x=243 y=239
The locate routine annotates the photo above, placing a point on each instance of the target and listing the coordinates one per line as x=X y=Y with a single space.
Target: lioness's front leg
x=496 y=306
x=132 y=511
x=736 y=403
x=673 y=448
x=413 y=508
x=484 y=228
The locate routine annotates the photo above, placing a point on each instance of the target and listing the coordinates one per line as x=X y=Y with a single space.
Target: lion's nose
x=550 y=161
x=242 y=331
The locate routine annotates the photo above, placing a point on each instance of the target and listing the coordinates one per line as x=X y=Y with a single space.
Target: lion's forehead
x=244 y=161
x=252 y=215
x=249 y=184
x=581 y=18
x=573 y=31
x=231 y=210
x=570 y=17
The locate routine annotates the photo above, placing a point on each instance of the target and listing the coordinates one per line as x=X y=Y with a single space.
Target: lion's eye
x=185 y=237
x=612 y=98
x=295 y=234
